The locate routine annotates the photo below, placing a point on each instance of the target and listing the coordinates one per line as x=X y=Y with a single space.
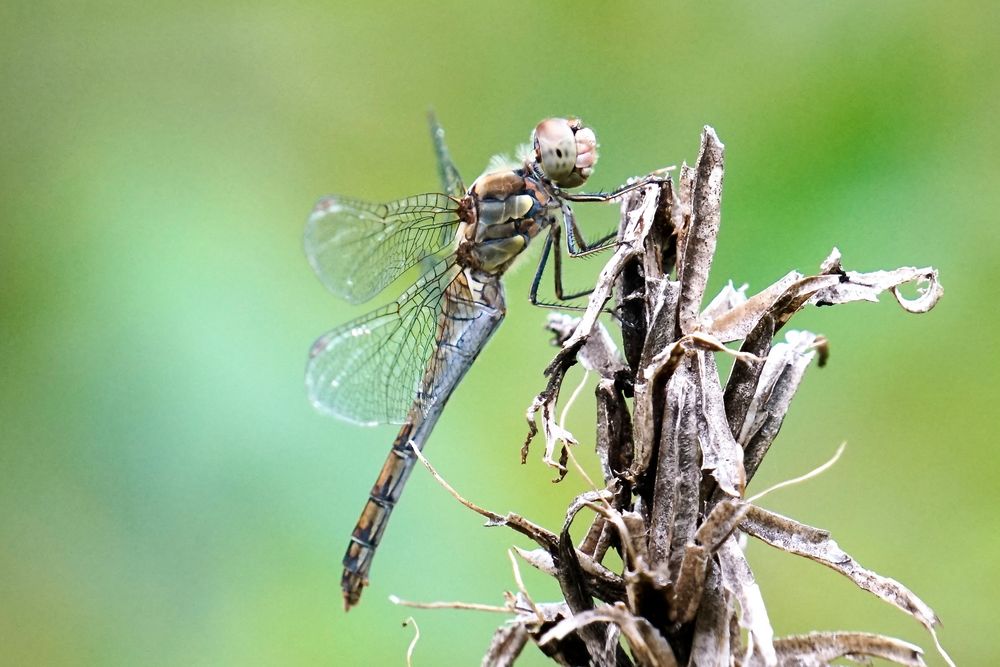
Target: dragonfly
x=400 y=363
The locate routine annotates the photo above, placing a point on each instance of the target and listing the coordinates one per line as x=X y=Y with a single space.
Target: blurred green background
x=168 y=496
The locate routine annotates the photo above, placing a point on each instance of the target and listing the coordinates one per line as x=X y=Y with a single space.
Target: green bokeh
x=168 y=496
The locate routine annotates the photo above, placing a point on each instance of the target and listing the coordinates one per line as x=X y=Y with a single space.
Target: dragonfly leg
x=574 y=238
x=557 y=273
x=575 y=243
x=537 y=279
x=553 y=246
x=552 y=240
x=651 y=179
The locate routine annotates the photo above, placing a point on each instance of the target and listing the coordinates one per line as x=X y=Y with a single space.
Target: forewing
x=450 y=180
x=357 y=248
x=369 y=371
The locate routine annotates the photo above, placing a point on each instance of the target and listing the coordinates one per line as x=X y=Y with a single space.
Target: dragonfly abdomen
x=473 y=310
x=383 y=498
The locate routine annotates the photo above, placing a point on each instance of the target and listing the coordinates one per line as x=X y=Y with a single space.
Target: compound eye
x=565 y=150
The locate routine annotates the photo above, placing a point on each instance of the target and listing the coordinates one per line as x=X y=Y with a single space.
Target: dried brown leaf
x=634 y=232
x=720 y=523
x=599 y=353
x=737 y=323
x=856 y=286
x=739 y=581
x=675 y=505
x=776 y=386
x=685 y=595
x=719 y=450
x=724 y=303
x=745 y=376
x=507 y=644
x=681 y=210
x=614 y=443
x=710 y=644
x=642 y=275
x=647 y=644
x=700 y=237
x=832 y=286
x=602 y=582
x=820 y=648
x=662 y=320
x=816 y=544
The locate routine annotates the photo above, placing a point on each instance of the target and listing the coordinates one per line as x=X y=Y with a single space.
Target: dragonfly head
x=566 y=150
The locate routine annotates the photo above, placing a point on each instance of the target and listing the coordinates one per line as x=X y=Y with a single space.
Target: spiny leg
x=550 y=245
x=536 y=281
x=577 y=246
x=557 y=261
x=651 y=179
x=575 y=243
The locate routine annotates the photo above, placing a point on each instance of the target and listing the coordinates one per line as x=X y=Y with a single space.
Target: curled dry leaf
x=832 y=286
x=816 y=544
x=820 y=648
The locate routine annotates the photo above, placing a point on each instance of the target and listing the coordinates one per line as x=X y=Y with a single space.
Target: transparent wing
x=370 y=371
x=450 y=180
x=357 y=248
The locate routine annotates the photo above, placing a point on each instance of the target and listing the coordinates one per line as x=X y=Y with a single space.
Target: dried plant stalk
x=677 y=459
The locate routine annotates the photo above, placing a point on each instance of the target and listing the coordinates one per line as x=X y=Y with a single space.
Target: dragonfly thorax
x=504 y=211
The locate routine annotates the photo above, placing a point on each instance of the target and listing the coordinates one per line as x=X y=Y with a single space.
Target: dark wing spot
x=558 y=152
